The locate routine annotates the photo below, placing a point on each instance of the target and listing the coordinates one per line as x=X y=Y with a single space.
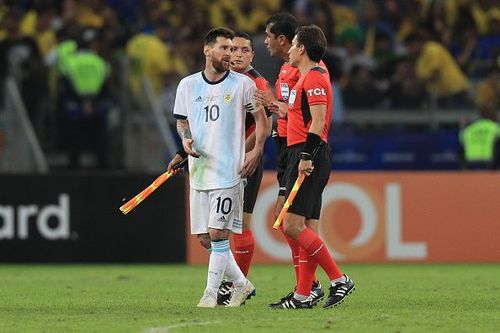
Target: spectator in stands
x=440 y=19
x=482 y=11
x=391 y=12
x=384 y=56
x=475 y=53
x=149 y=58
x=89 y=13
x=69 y=12
x=361 y=92
x=405 y=90
x=488 y=90
x=20 y=58
x=37 y=24
x=489 y=44
x=83 y=94
x=439 y=71
x=374 y=28
x=349 y=52
x=465 y=49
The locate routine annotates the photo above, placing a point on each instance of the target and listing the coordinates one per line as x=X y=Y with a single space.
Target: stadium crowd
x=396 y=54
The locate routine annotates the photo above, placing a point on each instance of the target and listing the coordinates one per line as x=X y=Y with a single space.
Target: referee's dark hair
x=212 y=35
x=313 y=39
x=283 y=24
x=244 y=35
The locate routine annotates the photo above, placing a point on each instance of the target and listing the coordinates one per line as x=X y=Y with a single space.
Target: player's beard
x=220 y=65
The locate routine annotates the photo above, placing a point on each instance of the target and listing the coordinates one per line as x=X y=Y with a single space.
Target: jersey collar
x=214 y=82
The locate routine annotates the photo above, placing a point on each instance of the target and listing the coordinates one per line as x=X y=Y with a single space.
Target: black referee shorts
x=307 y=203
x=252 y=188
x=281 y=163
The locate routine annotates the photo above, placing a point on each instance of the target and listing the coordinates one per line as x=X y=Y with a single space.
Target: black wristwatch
x=305 y=156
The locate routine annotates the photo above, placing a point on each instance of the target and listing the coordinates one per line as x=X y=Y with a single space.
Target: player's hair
x=244 y=35
x=313 y=39
x=283 y=24
x=212 y=35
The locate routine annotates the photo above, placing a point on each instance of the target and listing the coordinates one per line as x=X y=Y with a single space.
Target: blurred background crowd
x=84 y=70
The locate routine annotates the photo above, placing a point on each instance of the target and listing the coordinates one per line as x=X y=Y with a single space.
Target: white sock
x=217 y=263
x=341 y=279
x=234 y=272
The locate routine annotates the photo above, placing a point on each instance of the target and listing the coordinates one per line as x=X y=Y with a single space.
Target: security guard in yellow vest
x=86 y=71
x=84 y=101
x=480 y=142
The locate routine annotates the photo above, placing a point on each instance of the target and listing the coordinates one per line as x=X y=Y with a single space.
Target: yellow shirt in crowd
x=150 y=57
x=450 y=79
x=46 y=39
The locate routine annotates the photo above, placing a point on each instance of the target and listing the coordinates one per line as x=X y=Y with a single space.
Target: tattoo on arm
x=183 y=129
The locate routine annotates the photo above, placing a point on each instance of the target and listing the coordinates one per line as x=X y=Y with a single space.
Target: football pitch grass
x=162 y=298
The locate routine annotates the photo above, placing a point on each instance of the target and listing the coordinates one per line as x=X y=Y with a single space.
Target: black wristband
x=313 y=142
x=182 y=153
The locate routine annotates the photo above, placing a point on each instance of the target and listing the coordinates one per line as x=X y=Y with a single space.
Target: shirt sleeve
x=180 y=110
x=248 y=95
x=261 y=83
x=316 y=88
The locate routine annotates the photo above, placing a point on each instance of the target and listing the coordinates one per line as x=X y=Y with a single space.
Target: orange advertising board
x=391 y=217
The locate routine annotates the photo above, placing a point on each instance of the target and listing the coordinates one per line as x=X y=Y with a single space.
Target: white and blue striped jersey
x=216 y=114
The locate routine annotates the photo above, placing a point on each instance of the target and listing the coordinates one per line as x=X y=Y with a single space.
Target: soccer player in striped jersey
x=244 y=243
x=280 y=30
x=210 y=107
x=310 y=108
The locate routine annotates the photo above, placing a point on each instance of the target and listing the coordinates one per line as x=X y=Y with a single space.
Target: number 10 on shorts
x=224 y=205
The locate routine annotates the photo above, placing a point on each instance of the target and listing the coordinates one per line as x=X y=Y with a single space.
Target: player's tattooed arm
x=185 y=134
x=183 y=129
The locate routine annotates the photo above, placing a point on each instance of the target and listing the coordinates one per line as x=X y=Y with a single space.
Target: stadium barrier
x=391 y=217
x=75 y=218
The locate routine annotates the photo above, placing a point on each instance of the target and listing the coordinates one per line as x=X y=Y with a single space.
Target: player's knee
x=204 y=240
x=291 y=230
x=293 y=225
x=216 y=234
x=313 y=225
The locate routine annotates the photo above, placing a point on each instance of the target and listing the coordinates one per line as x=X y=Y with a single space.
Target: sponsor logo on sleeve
x=316 y=92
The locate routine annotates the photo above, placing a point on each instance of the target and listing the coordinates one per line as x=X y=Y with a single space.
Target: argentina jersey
x=216 y=114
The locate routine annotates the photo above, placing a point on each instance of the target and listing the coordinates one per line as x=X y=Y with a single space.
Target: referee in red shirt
x=280 y=30
x=310 y=107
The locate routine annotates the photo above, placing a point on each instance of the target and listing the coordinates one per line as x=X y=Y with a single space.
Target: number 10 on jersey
x=211 y=112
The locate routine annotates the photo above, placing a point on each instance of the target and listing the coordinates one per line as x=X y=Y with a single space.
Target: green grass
x=163 y=298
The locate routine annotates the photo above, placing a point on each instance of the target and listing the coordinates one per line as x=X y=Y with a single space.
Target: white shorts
x=216 y=209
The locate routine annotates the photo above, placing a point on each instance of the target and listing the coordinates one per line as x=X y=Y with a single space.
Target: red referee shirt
x=287 y=78
x=313 y=88
x=261 y=84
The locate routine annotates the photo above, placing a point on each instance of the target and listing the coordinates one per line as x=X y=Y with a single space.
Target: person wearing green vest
x=64 y=51
x=83 y=94
x=480 y=142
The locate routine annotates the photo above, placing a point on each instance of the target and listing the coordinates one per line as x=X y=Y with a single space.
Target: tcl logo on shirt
x=316 y=92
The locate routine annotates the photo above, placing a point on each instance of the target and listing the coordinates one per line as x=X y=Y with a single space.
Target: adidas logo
x=199 y=99
x=222 y=219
